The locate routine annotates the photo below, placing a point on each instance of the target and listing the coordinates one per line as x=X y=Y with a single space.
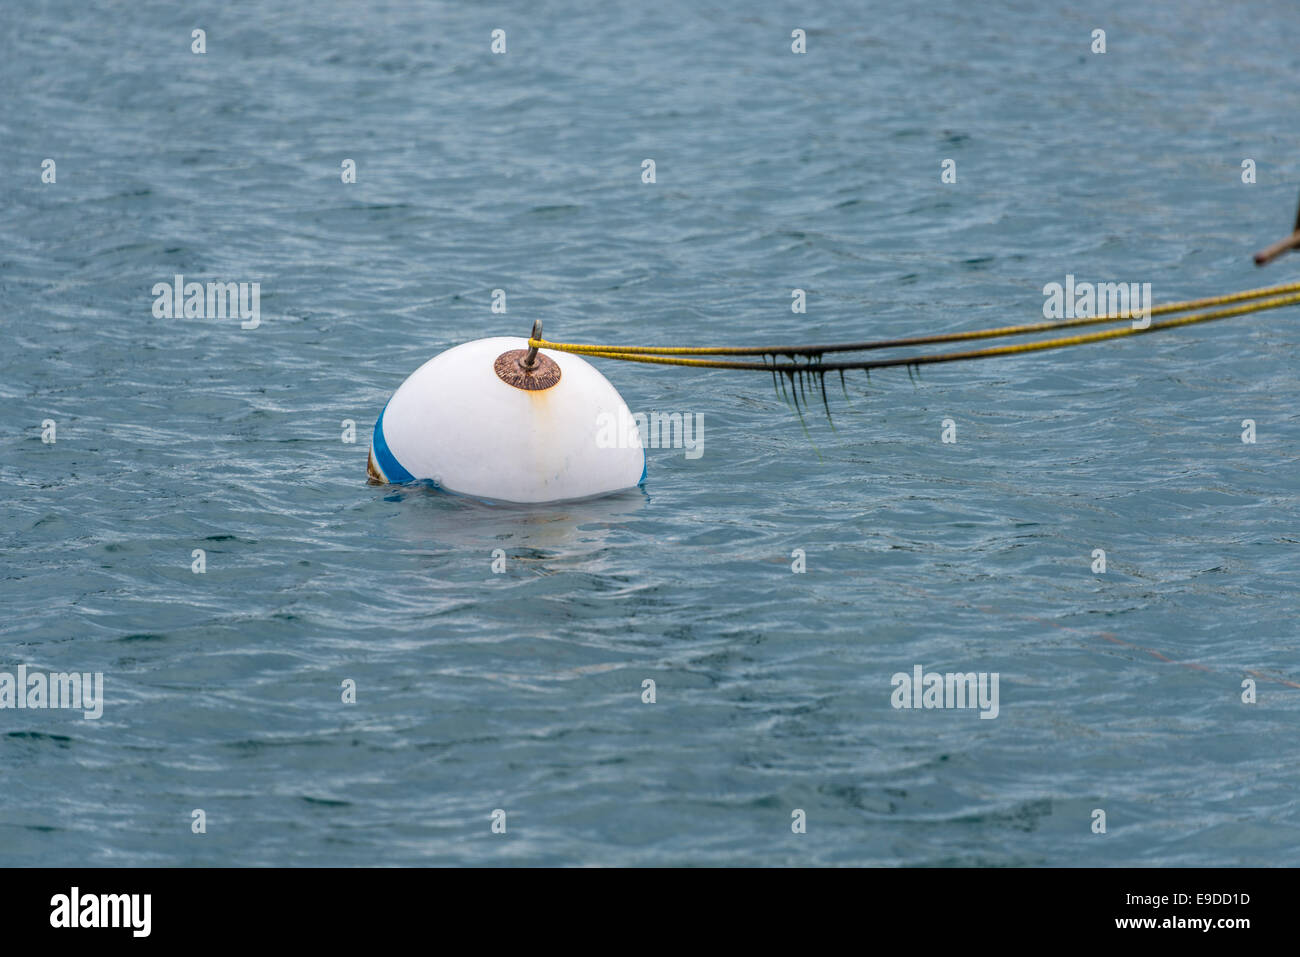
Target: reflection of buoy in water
x=496 y=420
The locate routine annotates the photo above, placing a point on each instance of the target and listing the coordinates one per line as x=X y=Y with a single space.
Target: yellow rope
x=627 y=352
x=1057 y=343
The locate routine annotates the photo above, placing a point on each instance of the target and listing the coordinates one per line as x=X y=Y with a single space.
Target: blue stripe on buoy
x=645 y=464
x=384 y=458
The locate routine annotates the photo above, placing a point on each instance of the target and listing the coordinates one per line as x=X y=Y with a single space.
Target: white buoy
x=495 y=420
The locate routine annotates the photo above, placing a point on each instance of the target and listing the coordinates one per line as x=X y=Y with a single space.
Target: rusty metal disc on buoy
x=511 y=370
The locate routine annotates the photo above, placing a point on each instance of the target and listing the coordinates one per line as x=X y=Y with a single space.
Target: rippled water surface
x=522 y=691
